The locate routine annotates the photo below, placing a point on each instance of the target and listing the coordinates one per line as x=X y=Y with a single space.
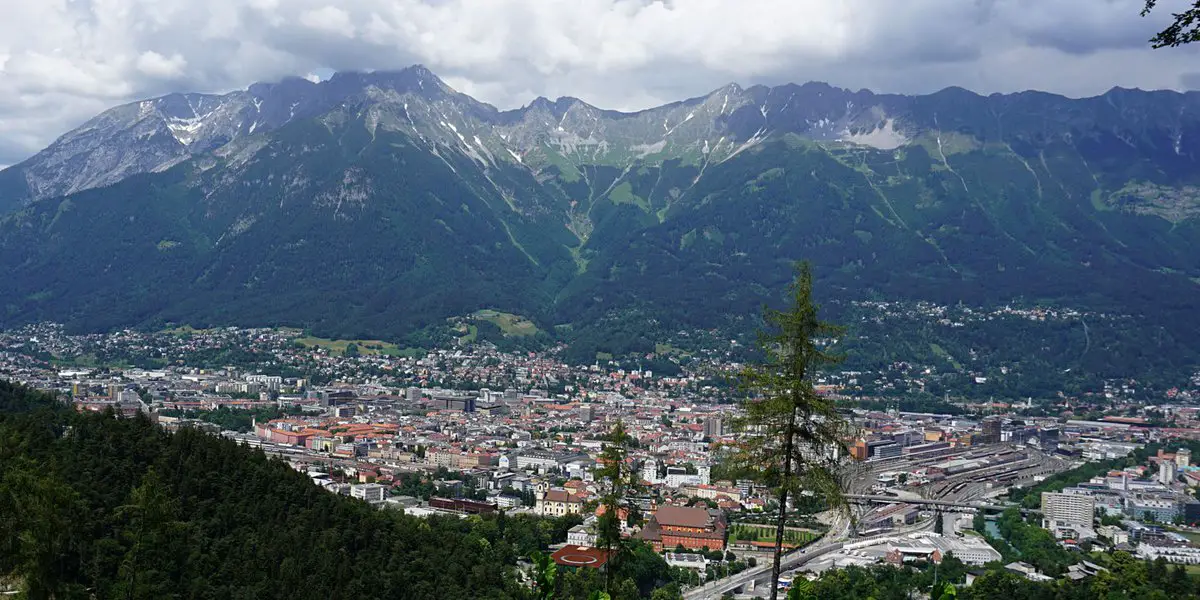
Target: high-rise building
x=1167 y=472
x=128 y=397
x=1074 y=509
x=745 y=487
x=714 y=427
x=650 y=470
x=1048 y=438
x=991 y=431
x=1183 y=457
x=881 y=449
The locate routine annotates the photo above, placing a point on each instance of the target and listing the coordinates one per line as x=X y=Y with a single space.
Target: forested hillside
x=379 y=205
x=96 y=507
x=92 y=506
x=1125 y=577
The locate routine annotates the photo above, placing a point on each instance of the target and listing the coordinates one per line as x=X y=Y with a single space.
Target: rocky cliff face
x=156 y=134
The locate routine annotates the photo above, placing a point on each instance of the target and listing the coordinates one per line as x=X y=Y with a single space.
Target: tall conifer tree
x=790 y=437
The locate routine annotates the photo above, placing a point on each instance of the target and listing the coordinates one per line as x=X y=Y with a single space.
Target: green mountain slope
x=374 y=204
x=989 y=229
x=346 y=234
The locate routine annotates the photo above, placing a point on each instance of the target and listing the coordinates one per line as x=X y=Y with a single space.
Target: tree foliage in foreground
x=1126 y=577
x=617 y=477
x=95 y=507
x=791 y=437
x=1185 y=28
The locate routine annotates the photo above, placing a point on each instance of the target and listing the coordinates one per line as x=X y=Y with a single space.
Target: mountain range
x=375 y=204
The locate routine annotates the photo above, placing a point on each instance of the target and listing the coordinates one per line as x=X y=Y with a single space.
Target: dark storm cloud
x=1080 y=27
x=1190 y=81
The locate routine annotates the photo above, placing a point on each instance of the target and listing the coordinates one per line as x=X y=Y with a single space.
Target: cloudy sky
x=62 y=61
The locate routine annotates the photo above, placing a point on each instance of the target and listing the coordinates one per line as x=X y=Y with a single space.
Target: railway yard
x=946 y=483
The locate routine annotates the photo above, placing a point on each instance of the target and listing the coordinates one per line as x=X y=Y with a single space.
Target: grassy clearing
x=338 y=347
x=623 y=194
x=512 y=325
x=468 y=333
x=186 y=330
x=667 y=349
x=938 y=350
x=567 y=170
x=1194 y=537
x=951 y=143
x=766 y=533
x=89 y=361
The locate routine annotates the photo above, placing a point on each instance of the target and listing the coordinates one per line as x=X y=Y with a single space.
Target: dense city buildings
x=472 y=430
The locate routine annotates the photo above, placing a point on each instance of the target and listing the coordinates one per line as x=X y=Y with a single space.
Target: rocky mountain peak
x=156 y=134
x=372 y=198
x=416 y=80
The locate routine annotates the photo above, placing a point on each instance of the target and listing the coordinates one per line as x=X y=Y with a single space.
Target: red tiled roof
x=561 y=496
x=682 y=516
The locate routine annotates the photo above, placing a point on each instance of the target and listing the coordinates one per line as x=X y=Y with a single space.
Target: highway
x=762 y=573
x=715 y=589
x=958 y=491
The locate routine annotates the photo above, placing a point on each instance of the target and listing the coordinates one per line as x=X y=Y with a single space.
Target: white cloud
x=155 y=65
x=62 y=61
x=328 y=19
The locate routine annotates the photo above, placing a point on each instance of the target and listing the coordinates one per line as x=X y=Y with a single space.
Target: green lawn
x=766 y=533
x=468 y=333
x=1194 y=537
x=938 y=350
x=365 y=347
x=186 y=330
x=89 y=361
x=510 y=324
x=665 y=349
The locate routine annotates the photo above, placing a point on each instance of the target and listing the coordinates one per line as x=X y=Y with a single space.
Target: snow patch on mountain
x=186 y=130
x=885 y=137
x=644 y=150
